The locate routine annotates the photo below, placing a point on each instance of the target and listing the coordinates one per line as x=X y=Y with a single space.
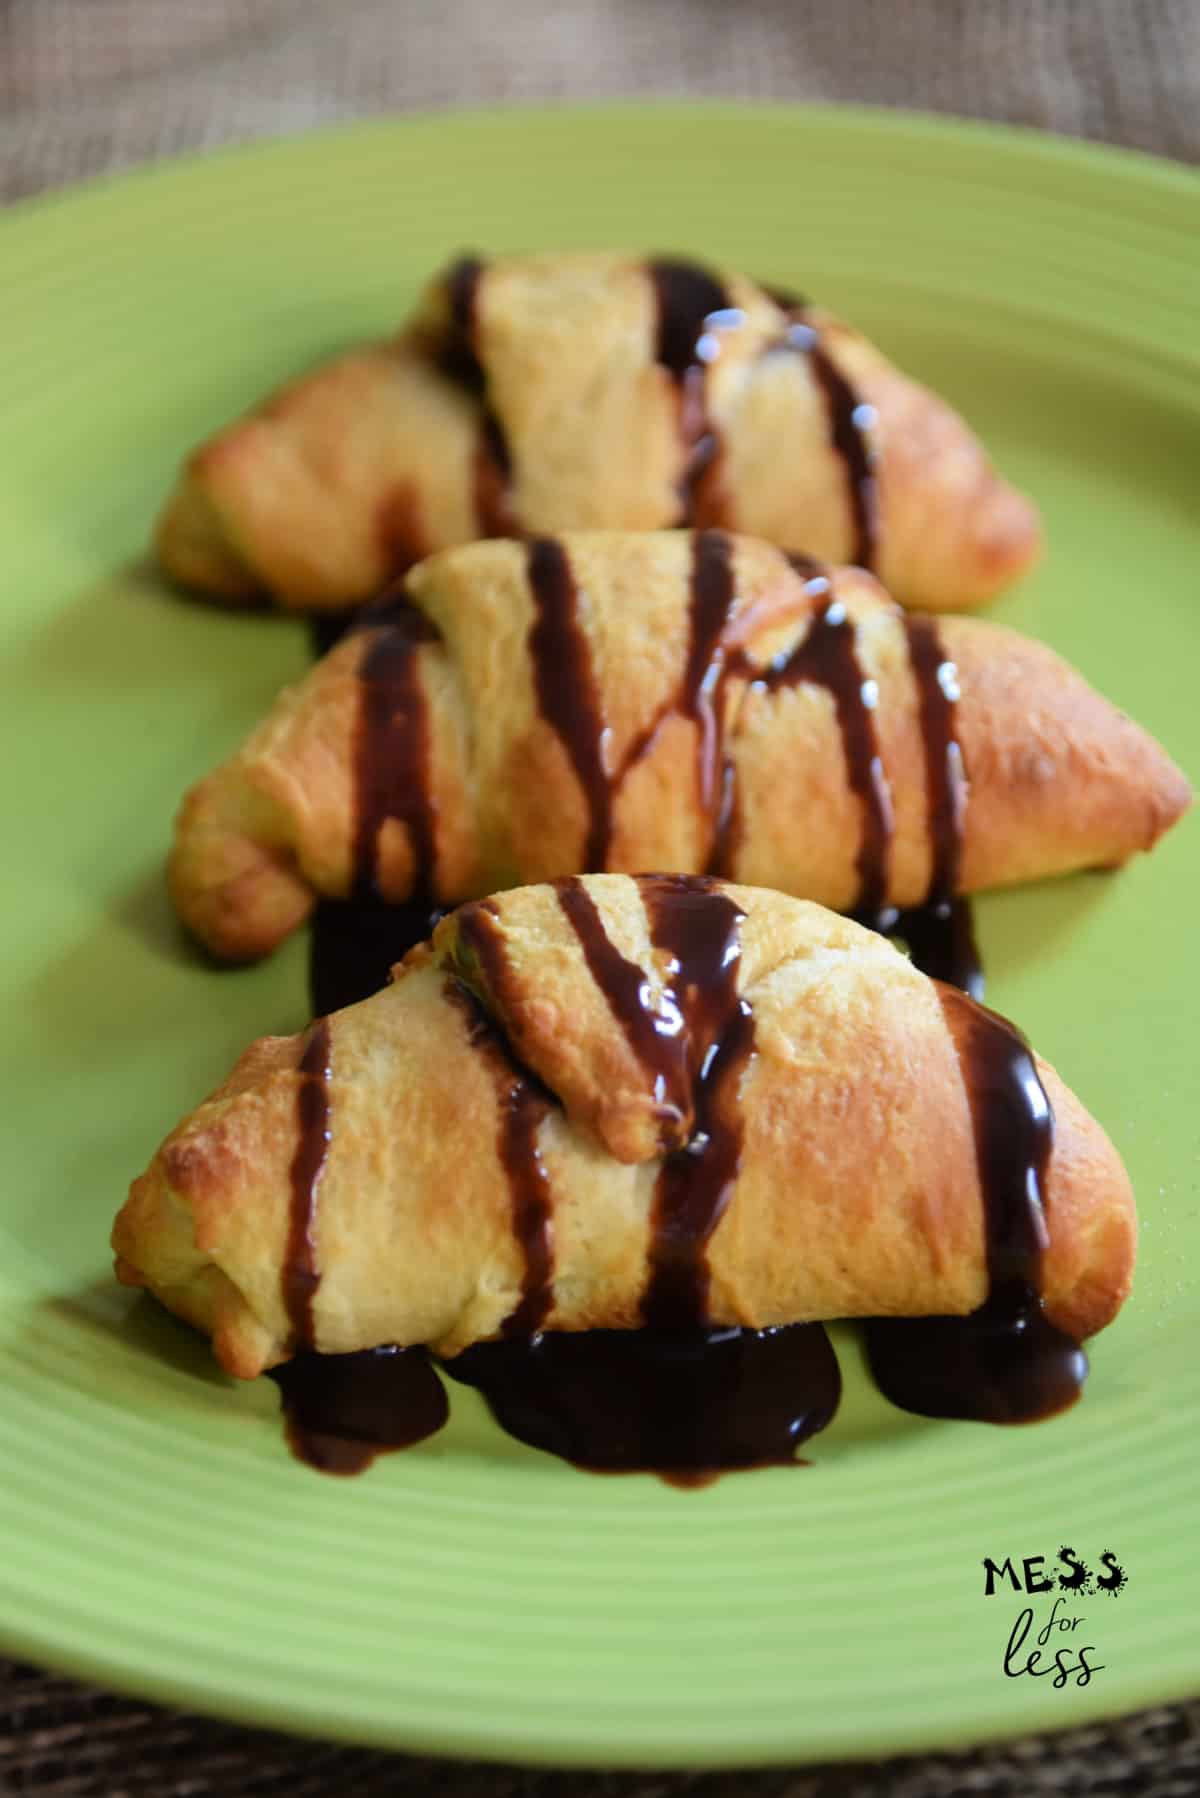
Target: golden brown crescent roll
x=523 y=720
x=619 y=1101
x=578 y=392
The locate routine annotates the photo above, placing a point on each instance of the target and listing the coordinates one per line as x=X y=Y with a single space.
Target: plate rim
x=917 y=123
x=922 y=127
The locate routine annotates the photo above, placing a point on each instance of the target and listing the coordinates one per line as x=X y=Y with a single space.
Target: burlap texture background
x=88 y=86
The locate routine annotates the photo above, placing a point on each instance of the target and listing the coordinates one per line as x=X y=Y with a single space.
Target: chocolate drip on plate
x=326 y=630
x=687 y=1405
x=301 y=1272
x=355 y=943
x=343 y=1410
x=1006 y=1362
x=940 y=937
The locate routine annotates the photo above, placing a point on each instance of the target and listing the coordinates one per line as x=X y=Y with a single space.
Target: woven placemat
x=63 y=1741
x=88 y=86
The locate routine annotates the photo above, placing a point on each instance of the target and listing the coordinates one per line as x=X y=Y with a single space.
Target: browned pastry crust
x=858 y=1190
x=1057 y=778
x=544 y=402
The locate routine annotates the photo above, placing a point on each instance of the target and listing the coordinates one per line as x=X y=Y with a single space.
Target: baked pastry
x=518 y=719
x=615 y=1103
x=577 y=392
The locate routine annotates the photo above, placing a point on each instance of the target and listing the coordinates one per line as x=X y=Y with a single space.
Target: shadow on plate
x=111 y=1318
x=134 y=989
x=144 y=910
x=1024 y=926
x=132 y=634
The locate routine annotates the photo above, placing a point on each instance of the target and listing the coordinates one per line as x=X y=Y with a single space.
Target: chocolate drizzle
x=392 y=771
x=686 y=295
x=940 y=933
x=827 y=657
x=458 y=359
x=1006 y=1362
x=653 y=1026
x=713 y=595
x=355 y=942
x=693 y=308
x=699 y=930
x=673 y=1397
x=567 y=690
x=524 y=1108
x=850 y=421
x=700 y=694
x=301 y=1272
x=696 y=1184
x=524 y=1103
x=945 y=775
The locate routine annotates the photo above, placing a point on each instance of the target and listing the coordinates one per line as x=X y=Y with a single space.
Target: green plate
x=475 y=1596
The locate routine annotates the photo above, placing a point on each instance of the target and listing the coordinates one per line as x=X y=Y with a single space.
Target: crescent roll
x=663 y=700
x=614 y=1102
x=553 y=393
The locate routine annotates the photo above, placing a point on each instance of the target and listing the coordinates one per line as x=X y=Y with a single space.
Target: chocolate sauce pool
x=687 y=1405
x=341 y=1411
